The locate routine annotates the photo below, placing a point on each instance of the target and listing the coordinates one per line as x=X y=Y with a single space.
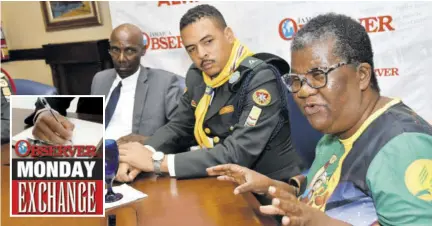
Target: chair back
x=29 y=87
x=303 y=135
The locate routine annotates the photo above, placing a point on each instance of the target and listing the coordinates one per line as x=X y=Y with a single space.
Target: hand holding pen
x=50 y=126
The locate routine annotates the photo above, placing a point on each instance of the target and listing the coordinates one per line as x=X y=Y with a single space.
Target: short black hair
x=196 y=13
x=352 y=43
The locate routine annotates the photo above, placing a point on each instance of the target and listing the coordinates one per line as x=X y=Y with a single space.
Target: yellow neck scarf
x=239 y=52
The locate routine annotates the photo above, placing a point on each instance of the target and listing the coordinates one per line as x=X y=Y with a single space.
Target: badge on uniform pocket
x=227 y=109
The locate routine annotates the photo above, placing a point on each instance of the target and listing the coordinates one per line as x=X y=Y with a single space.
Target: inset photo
x=56 y=121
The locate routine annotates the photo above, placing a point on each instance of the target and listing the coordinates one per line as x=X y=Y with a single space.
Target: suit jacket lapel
x=106 y=86
x=219 y=100
x=140 y=97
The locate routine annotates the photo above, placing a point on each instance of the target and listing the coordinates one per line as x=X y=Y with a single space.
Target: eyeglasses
x=128 y=52
x=315 y=78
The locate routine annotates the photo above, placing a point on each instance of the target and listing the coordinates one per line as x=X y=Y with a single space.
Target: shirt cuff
x=37 y=114
x=150 y=148
x=171 y=167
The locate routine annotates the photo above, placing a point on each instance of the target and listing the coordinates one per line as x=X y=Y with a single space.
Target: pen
x=38 y=142
x=45 y=103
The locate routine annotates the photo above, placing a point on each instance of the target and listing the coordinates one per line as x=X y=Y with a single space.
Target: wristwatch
x=157 y=161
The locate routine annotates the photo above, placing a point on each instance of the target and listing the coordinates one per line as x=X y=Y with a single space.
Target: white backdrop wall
x=400 y=34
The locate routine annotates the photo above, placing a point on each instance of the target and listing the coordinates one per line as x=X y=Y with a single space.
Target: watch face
x=157 y=156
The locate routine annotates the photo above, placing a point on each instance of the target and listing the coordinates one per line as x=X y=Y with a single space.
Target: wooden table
x=191 y=202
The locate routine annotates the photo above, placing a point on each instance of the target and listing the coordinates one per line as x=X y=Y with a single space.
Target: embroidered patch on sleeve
x=226 y=110
x=253 y=117
x=418 y=179
x=261 y=97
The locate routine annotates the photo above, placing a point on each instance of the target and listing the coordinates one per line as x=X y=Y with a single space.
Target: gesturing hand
x=247 y=179
x=295 y=212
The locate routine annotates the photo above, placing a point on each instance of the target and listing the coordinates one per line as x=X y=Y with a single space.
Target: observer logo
x=288 y=27
x=162 y=41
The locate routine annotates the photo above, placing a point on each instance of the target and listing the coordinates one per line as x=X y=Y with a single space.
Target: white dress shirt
x=121 y=121
x=170 y=157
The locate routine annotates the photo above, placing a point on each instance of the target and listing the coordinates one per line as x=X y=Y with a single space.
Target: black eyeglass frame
x=303 y=78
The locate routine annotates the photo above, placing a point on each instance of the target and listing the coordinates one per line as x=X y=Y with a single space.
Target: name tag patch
x=253 y=117
x=226 y=110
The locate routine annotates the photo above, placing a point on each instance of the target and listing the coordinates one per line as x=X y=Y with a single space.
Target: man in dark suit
x=234 y=109
x=139 y=99
x=148 y=96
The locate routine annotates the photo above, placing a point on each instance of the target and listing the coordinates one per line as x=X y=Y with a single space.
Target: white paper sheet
x=129 y=193
x=85 y=133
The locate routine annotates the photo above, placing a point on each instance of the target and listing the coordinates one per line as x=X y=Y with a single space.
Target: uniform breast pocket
x=226 y=115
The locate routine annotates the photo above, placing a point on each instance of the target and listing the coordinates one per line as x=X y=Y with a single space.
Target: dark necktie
x=112 y=103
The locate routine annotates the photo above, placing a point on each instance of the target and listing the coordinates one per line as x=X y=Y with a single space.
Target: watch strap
x=157 y=167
